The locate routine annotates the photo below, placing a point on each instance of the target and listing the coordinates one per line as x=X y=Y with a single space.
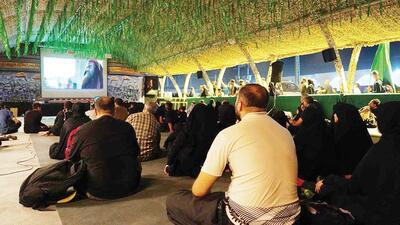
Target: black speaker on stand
x=199 y=74
x=329 y=55
x=276 y=76
x=276 y=73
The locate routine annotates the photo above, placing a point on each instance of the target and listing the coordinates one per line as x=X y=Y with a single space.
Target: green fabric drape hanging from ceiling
x=382 y=63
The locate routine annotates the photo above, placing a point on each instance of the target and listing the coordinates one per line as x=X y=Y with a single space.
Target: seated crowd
x=271 y=160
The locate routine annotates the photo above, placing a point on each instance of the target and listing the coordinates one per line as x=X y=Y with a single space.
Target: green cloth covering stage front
x=290 y=103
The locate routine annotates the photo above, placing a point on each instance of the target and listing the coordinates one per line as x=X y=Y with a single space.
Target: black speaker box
x=277 y=69
x=329 y=55
x=199 y=74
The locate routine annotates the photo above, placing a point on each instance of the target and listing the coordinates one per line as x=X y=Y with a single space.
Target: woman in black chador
x=351 y=137
x=372 y=195
x=189 y=149
x=313 y=144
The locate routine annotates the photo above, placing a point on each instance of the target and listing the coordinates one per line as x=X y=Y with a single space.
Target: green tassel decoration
x=32 y=13
x=4 y=37
x=19 y=32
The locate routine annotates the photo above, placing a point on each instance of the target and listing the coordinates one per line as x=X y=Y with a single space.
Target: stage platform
x=291 y=102
x=147 y=207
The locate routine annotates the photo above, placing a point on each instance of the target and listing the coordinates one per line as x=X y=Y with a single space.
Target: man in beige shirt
x=262 y=157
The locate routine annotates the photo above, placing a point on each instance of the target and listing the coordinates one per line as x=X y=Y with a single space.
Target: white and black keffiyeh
x=279 y=215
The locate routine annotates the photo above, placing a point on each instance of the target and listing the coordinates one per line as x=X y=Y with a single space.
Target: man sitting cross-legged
x=262 y=157
x=8 y=122
x=32 y=120
x=110 y=151
x=147 y=131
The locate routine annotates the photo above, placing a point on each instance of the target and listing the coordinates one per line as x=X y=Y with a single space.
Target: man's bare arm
x=203 y=184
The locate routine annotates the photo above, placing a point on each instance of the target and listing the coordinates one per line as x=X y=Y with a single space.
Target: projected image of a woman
x=93 y=76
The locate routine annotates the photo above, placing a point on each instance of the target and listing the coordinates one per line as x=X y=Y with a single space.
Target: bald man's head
x=254 y=95
x=104 y=105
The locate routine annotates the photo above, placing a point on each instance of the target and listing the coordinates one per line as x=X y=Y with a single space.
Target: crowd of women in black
x=336 y=159
x=188 y=144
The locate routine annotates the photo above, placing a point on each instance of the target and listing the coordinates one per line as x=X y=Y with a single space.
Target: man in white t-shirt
x=262 y=157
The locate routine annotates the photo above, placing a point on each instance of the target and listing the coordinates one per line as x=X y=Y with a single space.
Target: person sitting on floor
x=182 y=115
x=32 y=120
x=227 y=115
x=147 y=131
x=314 y=145
x=61 y=117
x=261 y=191
x=121 y=112
x=90 y=113
x=171 y=116
x=78 y=118
x=189 y=149
x=110 y=151
x=8 y=122
x=372 y=194
x=351 y=137
x=280 y=117
x=298 y=119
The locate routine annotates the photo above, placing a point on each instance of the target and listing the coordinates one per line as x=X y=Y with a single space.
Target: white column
x=355 y=55
x=251 y=63
x=297 y=71
x=162 y=85
x=186 y=86
x=176 y=86
x=220 y=77
x=178 y=90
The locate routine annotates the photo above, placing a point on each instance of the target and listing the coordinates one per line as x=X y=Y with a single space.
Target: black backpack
x=46 y=185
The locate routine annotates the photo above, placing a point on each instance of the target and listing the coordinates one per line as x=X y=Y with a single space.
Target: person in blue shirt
x=8 y=123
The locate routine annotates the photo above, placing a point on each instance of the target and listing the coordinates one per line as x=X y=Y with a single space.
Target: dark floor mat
x=147 y=207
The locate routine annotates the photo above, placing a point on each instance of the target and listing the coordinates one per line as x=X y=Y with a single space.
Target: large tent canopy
x=176 y=36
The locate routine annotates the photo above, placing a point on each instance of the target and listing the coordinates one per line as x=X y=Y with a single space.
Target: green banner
x=382 y=63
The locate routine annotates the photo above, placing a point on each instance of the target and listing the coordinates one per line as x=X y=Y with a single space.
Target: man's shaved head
x=105 y=104
x=254 y=95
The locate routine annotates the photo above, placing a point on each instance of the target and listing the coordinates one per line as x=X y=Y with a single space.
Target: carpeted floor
x=147 y=207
